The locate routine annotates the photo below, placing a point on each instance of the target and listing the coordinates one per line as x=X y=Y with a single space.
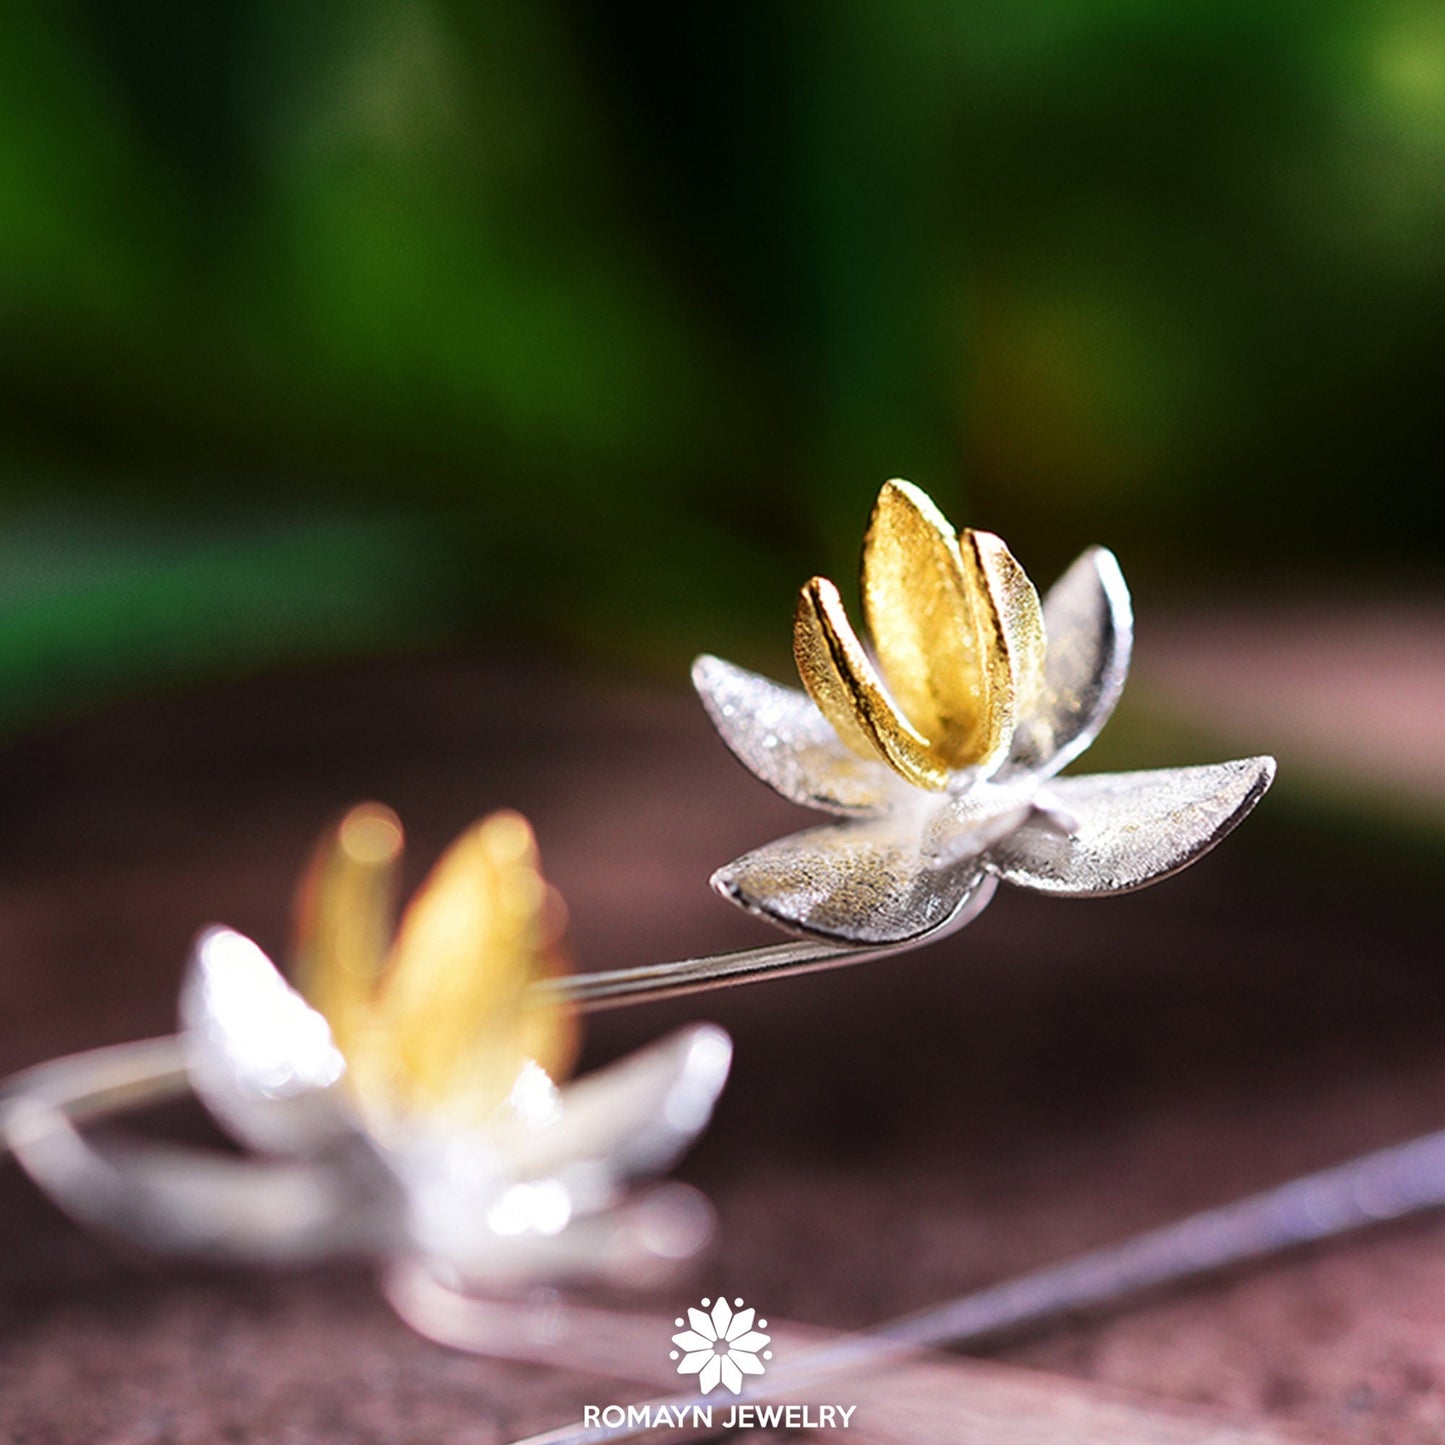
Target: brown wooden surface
x=901 y=1398
x=1056 y=1076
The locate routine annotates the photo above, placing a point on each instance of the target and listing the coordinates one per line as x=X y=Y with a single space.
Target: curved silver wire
x=91 y=1085
x=617 y=988
x=182 y=1200
x=1388 y=1184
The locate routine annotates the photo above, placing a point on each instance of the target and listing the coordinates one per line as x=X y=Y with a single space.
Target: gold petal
x=453 y=1030
x=841 y=681
x=1010 y=622
x=344 y=915
x=551 y=1033
x=920 y=604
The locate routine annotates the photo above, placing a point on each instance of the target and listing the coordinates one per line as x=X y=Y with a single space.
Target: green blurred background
x=344 y=328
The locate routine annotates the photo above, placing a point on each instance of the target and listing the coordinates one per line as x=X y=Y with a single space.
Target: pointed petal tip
x=1111 y=577
x=899 y=492
x=705 y=1052
x=1255 y=774
x=508 y=838
x=819 y=600
x=1104 y=564
x=220 y=947
x=1098 y=555
x=703 y=670
x=205 y=937
x=724 y=885
x=1255 y=777
x=1265 y=769
x=370 y=834
x=711 y=1046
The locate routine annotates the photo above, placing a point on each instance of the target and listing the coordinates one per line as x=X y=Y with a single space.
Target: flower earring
x=944 y=756
x=942 y=760
x=408 y=1097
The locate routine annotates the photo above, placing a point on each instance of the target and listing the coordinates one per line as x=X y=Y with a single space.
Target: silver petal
x=632 y=1118
x=778 y=734
x=1129 y=829
x=637 y=1243
x=974 y=818
x=259 y=1056
x=865 y=883
x=207 y=1205
x=1090 y=629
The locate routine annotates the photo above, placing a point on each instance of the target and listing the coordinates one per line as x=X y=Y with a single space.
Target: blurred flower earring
x=410 y=1095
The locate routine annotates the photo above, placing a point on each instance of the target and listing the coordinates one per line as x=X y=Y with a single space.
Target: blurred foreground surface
x=1055 y=1077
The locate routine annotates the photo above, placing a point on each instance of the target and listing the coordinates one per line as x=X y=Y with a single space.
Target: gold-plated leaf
x=841 y=681
x=1007 y=613
x=453 y=1031
x=344 y=916
x=920 y=605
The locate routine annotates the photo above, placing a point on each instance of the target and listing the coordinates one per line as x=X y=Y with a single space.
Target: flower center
x=958 y=639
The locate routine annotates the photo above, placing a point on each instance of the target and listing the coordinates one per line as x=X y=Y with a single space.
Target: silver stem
x=1389 y=1184
x=111 y=1080
x=127 y=1076
x=592 y=992
x=94 y=1084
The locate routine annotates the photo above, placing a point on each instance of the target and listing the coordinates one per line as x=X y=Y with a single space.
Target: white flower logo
x=722 y=1346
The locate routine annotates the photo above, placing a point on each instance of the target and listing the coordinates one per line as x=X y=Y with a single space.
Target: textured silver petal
x=778 y=734
x=259 y=1056
x=1090 y=629
x=632 y=1118
x=865 y=883
x=1129 y=828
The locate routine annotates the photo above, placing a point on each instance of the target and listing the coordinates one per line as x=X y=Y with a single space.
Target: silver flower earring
x=407 y=1101
x=944 y=758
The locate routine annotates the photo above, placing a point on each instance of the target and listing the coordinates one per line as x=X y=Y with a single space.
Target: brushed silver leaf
x=1129 y=829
